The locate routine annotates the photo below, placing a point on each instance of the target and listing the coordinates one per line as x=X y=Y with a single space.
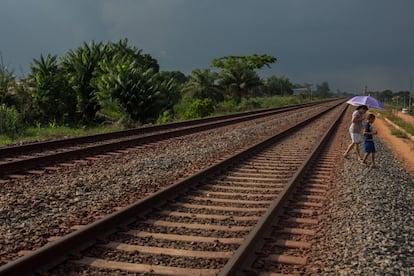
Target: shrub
x=166 y=117
x=226 y=107
x=199 y=109
x=9 y=120
x=250 y=104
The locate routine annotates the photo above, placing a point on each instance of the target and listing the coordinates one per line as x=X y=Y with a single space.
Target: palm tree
x=7 y=80
x=238 y=76
x=202 y=84
x=121 y=48
x=135 y=88
x=52 y=96
x=80 y=67
x=51 y=93
x=238 y=81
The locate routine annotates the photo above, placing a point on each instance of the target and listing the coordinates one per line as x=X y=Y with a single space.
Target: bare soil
x=402 y=148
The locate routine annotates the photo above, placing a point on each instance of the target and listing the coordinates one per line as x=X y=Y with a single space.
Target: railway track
x=32 y=157
x=284 y=247
x=207 y=224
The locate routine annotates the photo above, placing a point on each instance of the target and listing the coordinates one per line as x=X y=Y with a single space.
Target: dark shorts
x=369 y=146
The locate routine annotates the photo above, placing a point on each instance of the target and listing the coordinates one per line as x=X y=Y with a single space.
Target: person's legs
x=355 y=137
x=358 y=151
x=350 y=146
x=363 y=160
x=369 y=148
x=373 y=159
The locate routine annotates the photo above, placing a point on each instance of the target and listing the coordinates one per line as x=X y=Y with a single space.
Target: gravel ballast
x=368 y=227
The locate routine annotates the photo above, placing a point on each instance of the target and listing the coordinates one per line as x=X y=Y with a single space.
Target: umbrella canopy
x=369 y=101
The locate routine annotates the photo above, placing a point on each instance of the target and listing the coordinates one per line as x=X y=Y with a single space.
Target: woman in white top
x=355 y=129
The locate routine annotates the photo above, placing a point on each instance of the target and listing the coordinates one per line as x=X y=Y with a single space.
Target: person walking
x=369 y=145
x=355 y=130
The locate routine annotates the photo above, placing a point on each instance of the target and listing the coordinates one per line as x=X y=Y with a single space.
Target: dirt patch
x=403 y=149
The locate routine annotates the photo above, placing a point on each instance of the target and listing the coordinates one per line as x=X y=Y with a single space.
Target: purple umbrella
x=369 y=101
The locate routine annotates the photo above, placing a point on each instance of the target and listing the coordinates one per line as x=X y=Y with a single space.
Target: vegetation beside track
x=53 y=131
x=405 y=127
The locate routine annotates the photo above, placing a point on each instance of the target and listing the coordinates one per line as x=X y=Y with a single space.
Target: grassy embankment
x=41 y=133
x=405 y=127
x=33 y=134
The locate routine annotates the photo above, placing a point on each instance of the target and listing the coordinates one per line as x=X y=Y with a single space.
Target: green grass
x=33 y=134
x=398 y=133
x=5 y=140
x=42 y=133
x=400 y=122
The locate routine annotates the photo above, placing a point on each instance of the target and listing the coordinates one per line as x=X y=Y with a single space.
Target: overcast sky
x=348 y=43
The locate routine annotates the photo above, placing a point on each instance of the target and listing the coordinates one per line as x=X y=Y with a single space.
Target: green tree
x=130 y=82
x=23 y=101
x=170 y=84
x=238 y=81
x=386 y=96
x=322 y=90
x=278 y=86
x=122 y=49
x=238 y=74
x=53 y=99
x=202 y=84
x=7 y=82
x=252 y=62
x=80 y=68
x=136 y=88
x=179 y=77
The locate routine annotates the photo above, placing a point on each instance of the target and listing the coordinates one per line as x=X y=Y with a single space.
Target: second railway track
x=32 y=157
x=196 y=226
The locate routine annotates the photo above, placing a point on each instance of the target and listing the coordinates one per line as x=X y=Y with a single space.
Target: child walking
x=369 y=146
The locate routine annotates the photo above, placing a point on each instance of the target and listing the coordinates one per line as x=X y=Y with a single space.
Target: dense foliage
x=53 y=100
x=106 y=83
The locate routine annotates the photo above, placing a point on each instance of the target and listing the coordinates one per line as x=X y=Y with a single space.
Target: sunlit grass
x=398 y=133
x=399 y=122
x=5 y=140
x=33 y=134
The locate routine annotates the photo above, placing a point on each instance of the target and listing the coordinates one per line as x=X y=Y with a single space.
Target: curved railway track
x=34 y=157
x=212 y=222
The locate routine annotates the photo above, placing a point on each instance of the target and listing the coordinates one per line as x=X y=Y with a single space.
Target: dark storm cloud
x=349 y=44
x=31 y=28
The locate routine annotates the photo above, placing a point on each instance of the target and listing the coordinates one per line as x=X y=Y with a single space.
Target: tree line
x=116 y=82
